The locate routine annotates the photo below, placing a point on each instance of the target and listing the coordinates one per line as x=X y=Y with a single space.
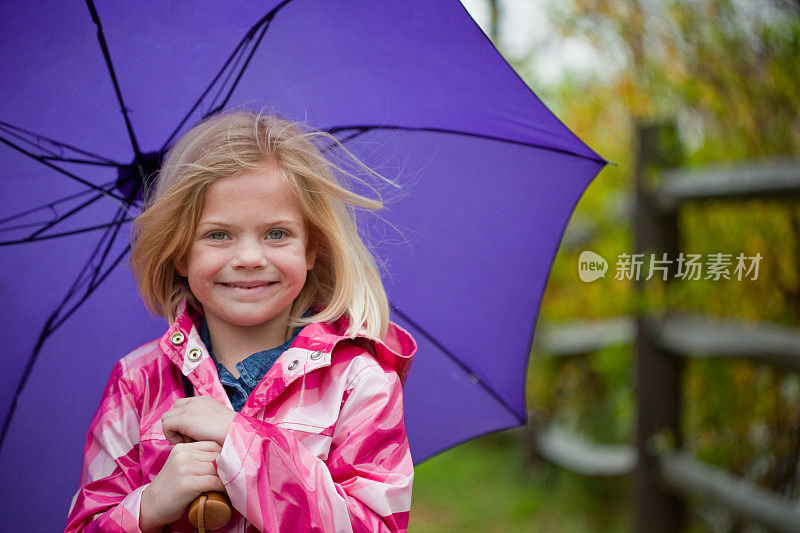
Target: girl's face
x=249 y=256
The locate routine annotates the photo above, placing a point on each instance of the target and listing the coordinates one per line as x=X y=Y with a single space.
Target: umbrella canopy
x=92 y=96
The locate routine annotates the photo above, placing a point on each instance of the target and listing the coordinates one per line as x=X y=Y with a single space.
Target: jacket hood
x=395 y=350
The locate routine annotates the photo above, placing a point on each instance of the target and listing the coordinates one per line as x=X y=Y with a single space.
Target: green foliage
x=486 y=485
x=726 y=72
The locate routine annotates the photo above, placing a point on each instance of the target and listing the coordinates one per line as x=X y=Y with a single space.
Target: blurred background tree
x=726 y=73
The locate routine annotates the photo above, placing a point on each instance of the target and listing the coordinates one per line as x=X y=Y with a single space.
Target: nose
x=248 y=255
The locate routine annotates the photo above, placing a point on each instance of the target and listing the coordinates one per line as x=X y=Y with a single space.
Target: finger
x=206 y=459
x=193 y=402
x=208 y=482
x=180 y=417
x=174 y=411
x=175 y=437
x=196 y=465
x=196 y=424
x=182 y=405
x=187 y=462
x=206 y=446
x=202 y=456
x=172 y=424
x=199 y=450
x=169 y=418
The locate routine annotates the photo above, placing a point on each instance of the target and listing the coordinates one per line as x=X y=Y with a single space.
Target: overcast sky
x=524 y=25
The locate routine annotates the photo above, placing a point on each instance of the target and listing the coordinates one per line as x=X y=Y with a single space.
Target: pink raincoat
x=319 y=445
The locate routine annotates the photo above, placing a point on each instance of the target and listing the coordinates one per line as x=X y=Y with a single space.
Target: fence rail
x=684 y=475
x=758 y=342
x=572 y=453
x=579 y=337
x=686 y=335
x=771 y=179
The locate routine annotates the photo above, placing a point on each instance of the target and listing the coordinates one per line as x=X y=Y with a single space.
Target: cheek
x=301 y=273
x=298 y=273
x=199 y=267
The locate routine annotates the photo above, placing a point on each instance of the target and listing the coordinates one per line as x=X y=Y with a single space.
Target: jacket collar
x=310 y=351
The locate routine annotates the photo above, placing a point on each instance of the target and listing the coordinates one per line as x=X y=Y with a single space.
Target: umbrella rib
x=65 y=216
x=81 y=161
x=93 y=287
x=54 y=322
x=50 y=326
x=241 y=71
x=213 y=109
x=80 y=281
x=68 y=233
x=364 y=128
x=48 y=206
x=350 y=137
x=342 y=141
x=25 y=375
x=12 y=130
x=107 y=56
x=470 y=372
x=113 y=232
x=202 y=96
x=51 y=223
x=238 y=51
x=65 y=172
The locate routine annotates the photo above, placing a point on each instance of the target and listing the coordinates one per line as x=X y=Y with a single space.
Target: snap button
x=177 y=338
x=194 y=354
x=316 y=355
x=293 y=364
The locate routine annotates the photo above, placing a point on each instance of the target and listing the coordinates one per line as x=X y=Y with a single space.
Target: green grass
x=487 y=485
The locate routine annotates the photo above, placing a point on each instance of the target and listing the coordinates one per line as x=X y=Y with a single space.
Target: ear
x=311 y=254
x=180 y=266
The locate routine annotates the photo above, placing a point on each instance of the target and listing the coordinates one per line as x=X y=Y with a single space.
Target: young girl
x=279 y=322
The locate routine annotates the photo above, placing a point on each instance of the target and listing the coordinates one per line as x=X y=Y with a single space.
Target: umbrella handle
x=209 y=511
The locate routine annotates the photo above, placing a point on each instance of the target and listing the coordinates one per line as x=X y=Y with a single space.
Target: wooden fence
x=665 y=475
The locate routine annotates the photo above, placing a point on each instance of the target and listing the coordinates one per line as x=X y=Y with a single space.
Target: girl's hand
x=197 y=418
x=187 y=473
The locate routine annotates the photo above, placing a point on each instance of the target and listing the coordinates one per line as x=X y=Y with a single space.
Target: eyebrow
x=268 y=223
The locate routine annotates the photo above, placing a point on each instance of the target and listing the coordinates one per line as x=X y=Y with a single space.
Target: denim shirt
x=251 y=370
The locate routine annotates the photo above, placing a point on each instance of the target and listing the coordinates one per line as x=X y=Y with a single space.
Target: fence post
x=658 y=373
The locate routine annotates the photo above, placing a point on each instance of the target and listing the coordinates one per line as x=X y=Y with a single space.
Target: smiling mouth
x=248 y=284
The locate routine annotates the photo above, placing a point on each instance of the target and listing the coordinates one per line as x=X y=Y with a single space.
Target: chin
x=248 y=320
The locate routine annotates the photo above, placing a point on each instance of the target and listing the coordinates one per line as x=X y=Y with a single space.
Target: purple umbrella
x=91 y=99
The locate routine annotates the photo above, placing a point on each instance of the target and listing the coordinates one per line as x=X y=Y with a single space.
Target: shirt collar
x=252 y=368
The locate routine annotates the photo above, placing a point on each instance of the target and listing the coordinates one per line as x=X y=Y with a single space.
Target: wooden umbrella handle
x=209 y=511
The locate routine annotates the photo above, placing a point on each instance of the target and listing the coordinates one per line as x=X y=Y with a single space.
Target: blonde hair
x=344 y=280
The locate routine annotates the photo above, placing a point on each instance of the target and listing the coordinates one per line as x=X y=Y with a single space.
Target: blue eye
x=276 y=234
x=217 y=235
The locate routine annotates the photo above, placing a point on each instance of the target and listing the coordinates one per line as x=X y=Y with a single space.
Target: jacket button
x=194 y=354
x=316 y=355
x=177 y=338
x=293 y=364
